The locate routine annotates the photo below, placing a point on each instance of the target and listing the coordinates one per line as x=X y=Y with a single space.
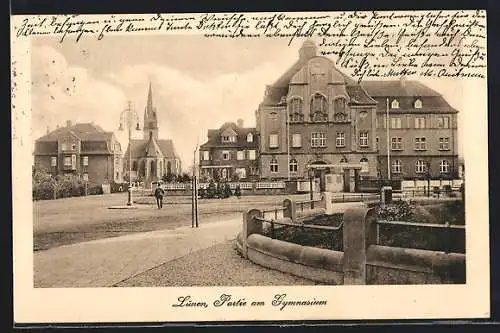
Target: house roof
x=149 y=148
x=397 y=88
x=84 y=131
x=214 y=135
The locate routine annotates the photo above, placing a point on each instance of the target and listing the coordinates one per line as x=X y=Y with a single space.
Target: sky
x=198 y=83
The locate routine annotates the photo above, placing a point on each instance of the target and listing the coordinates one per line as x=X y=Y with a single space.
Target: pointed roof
x=149 y=148
x=152 y=149
x=150 y=98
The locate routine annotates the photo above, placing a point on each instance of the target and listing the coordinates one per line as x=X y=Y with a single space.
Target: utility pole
x=194 y=198
x=129 y=117
x=388 y=142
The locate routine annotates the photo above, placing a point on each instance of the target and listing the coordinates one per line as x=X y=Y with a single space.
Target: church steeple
x=150 y=119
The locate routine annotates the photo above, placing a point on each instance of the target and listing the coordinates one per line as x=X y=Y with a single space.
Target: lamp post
x=130 y=118
x=311 y=174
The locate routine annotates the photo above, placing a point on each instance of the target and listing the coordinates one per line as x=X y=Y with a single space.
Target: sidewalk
x=106 y=262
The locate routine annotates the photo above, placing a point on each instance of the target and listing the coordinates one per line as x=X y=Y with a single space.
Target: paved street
x=82 y=243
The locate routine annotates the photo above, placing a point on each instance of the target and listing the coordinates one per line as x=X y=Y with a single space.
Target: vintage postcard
x=250 y=166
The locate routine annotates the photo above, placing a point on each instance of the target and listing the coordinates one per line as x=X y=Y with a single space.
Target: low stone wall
x=393 y=265
x=362 y=260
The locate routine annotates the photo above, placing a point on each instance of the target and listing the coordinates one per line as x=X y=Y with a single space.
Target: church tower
x=150 y=118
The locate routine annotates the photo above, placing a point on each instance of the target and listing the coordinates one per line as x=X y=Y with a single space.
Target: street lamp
x=129 y=117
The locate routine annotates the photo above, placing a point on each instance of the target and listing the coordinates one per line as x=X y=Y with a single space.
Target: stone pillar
x=290 y=209
x=250 y=226
x=327 y=198
x=385 y=195
x=357 y=236
x=352 y=180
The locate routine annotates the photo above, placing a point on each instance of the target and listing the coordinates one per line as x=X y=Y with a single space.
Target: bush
x=400 y=210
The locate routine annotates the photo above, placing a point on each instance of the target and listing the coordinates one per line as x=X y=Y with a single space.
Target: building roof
x=398 y=88
x=151 y=148
x=83 y=131
x=214 y=137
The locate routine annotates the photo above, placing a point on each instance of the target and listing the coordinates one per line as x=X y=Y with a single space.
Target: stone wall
x=362 y=260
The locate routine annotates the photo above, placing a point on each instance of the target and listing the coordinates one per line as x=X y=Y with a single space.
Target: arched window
x=293 y=165
x=396 y=166
x=142 y=169
x=319 y=108
x=295 y=110
x=340 y=109
x=162 y=172
x=364 y=164
x=169 y=168
x=273 y=165
x=420 y=166
x=152 y=168
x=417 y=104
x=249 y=137
x=395 y=104
x=444 y=166
x=134 y=166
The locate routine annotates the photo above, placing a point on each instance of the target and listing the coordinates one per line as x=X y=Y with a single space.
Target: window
x=67 y=161
x=376 y=142
x=206 y=155
x=395 y=104
x=224 y=174
x=343 y=160
x=419 y=122
x=73 y=146
x=340 y=110
x=319 y=108
x=273 y=165
x=396 y=122
x=296 y=140
x=53 y=161
x=444 y=144
x=340 y=139
x=273 y=141
x=444 y=166
x=420 y=166
x=293 y=165
x=420 y=143
x=241 y=172
x=318 y=139
x=295 y=110
x=443 y=122
x=134 y=166
x=226 y=155
x=417 y=104
x=364 y=164
x=251 y=154
x=254 y=170
x=396 y=143
x=240 y=155
x=85 y=160
x=249 y=137
x=396 y=166
x=227 y=138
x=363 y=139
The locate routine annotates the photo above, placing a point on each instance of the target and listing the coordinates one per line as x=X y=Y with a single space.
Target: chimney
x=239 y=122
x=68 y=123
x=402 y=81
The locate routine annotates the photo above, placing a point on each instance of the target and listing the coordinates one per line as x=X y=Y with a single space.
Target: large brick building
x=230 y=150
x=152 y=158
x=315 y=121
x=83 y=149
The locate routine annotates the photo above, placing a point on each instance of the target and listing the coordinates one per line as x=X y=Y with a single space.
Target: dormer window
x=395 y=104
x=418 y=104
x=249 y=137
x=228 y=138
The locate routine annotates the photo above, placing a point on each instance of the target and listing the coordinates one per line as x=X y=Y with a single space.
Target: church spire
x=150 y=98
x=150 y=120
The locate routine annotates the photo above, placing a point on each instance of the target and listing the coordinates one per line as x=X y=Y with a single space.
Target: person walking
x=159 y=196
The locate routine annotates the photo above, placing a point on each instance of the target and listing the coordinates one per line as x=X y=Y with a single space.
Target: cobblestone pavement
x=219 y=265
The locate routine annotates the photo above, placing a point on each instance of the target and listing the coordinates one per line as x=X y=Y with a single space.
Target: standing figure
x=159 y=196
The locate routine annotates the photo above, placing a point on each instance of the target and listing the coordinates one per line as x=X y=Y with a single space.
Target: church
x=152 y=158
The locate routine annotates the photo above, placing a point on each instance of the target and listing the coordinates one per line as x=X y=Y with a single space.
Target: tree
x=185 y=178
